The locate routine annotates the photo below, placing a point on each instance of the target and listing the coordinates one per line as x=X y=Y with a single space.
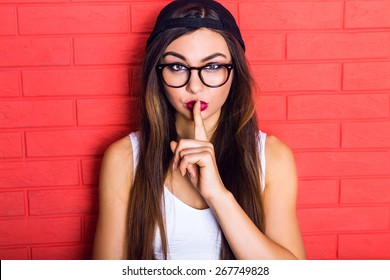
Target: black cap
x=226 y=22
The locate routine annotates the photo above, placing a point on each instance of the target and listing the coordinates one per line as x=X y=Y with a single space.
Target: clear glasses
x=177 y=75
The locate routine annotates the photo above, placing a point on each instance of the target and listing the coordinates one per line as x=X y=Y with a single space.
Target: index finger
x=200 y=131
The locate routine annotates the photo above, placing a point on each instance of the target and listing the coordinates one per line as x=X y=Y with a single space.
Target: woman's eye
x=177 y=68
x=213 y=67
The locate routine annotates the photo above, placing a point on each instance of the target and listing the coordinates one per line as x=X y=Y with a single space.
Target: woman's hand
x=282 y=240
x=195 y=158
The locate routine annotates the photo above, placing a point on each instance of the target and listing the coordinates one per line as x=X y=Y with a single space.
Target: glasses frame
x=160 y=68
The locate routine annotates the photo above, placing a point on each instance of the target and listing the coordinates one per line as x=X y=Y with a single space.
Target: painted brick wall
x=67 y=82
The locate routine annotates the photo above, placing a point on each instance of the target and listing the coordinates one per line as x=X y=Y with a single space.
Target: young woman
x=199 y=180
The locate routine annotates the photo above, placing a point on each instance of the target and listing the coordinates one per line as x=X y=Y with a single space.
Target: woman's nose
x=195 y=84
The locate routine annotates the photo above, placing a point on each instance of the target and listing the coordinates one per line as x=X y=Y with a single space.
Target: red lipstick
x=190 y=105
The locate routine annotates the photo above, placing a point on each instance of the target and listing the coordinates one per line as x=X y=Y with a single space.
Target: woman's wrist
x=219 y=198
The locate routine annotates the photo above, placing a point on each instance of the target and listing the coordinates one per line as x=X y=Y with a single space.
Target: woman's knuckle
x=184 y=159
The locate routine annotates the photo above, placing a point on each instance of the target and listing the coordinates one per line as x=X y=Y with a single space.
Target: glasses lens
x=175 y=75
x=214 y=75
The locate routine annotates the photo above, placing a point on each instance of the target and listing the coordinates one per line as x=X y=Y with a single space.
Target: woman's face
x=199 y=48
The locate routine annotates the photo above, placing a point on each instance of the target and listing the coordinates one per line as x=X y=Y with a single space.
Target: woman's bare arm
x=279 y=198
x=282 y=238
x=114 y=188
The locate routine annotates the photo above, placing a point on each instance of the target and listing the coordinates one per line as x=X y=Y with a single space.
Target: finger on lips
x=200 y=131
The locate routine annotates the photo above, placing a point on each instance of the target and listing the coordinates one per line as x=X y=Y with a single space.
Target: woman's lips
x=190 y=105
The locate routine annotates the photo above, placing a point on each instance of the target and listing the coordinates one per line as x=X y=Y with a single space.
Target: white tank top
x=192 y=234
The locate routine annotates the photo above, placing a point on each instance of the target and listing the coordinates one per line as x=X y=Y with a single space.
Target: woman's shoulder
x=117 y=165
x=277 y=147
x=120 y=151
x=279 y=157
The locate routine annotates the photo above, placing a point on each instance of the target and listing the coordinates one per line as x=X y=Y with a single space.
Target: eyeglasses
x=177 y=75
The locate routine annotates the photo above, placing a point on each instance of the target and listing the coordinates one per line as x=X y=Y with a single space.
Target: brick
x=38 y=173
x=335 y=107
x=317 y=192
x=343 y=219
x=342 y=163
x=11 y=204
x=76 y=82
x=338 y=45
x=35 y=1
x=34 y=51
x=364 y=246
x=370 y=14
x=36 y=113
x=7 y=21
x=365 y=191
x=297 y=77
x=69 y=201
x=263 y=47
x=143 y=16
x=83 y=1
x=107 y=111
x=90 y=228
x=69 y=252
x=90 y=171
x=232 y=7
x=376 y=135
x=14 y=254
x=290 y=15
x=306 y=136
x=71 y=142
x=109 y=50
x=320 y=247
x=73 y=19
x=271 y=108
x=366 y=76
x=9 y=82
x=11 y=145
x=38 y=231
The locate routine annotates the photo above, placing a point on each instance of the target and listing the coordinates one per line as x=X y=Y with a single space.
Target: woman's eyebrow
x=174 y=54
x=213 y=56
x=203 y=60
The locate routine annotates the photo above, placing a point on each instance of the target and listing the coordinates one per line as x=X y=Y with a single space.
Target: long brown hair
x=235 y=140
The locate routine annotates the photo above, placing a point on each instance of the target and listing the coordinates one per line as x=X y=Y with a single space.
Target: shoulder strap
x=262 y=137
x=134 y=138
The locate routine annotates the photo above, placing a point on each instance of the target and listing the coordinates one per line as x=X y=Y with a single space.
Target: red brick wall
x=67 y=74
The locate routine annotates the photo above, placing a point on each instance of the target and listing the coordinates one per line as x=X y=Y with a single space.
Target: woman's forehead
x=198 y=45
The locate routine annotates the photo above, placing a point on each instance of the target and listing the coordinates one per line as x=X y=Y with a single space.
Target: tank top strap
x=262 y=138
x=134 y=138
